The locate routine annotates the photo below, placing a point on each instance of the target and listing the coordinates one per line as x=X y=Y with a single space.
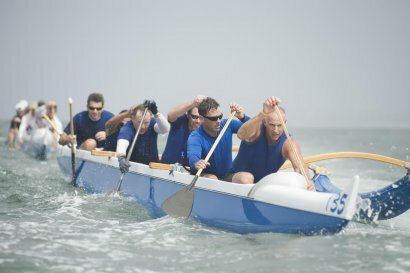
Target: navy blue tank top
x=259 y=157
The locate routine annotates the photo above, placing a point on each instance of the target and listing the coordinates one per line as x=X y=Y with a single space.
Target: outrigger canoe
x=278 y=203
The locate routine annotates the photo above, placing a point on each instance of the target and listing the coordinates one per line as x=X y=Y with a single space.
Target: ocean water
x=46 y=225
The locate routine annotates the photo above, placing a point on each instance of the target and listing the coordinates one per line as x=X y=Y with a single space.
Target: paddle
x=56 y=133
x=70 y=102
x=131 y=149
x=298 y=160
x=180 y=203
x=52 y=124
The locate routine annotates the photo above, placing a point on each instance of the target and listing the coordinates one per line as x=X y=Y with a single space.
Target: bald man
x=264 y=147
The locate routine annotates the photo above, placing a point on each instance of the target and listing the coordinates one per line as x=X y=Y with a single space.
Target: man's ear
x=264 y=122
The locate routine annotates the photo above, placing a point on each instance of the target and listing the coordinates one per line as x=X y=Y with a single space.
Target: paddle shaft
x=52 y=124
x=295 y=152
x=131 y=149
x=136 y=135
x=70 y=102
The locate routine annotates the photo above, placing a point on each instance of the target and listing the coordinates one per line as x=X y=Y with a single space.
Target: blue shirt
x=176 y=148
x=259 y=157
x=200 y=143
x=146 y=149
x=86 y=128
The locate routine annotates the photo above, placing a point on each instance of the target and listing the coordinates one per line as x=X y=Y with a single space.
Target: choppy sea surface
x=46 y=225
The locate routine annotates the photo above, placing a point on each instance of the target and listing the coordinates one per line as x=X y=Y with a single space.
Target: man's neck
x=191 y=127
x=270 y=140
x=94 y=119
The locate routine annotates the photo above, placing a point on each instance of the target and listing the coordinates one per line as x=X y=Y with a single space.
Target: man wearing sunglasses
x=184 y=119
x=201 y=140
x=89 y=125
x=264 y=147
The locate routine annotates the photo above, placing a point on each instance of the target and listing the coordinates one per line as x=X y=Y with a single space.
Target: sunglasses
x=214 y=118
x=95 y=108
x=194 y=116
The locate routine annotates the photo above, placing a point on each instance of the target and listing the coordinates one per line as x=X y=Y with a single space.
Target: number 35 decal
x=337 y=203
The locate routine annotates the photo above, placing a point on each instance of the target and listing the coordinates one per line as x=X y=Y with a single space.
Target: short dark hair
x=97 y=97
x=206 y=105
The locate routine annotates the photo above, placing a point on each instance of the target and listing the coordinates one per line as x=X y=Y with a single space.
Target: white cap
x=21 y=105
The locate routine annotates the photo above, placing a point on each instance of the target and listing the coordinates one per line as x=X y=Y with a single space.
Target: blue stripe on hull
x=229 y=212
x=244 y=215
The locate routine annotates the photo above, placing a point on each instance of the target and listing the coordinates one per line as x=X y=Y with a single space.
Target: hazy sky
x=337 y=63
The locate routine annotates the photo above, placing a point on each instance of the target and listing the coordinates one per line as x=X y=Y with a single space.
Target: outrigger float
x=278 y=203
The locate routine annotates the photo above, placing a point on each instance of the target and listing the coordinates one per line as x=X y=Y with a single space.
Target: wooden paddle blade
x=180 y=204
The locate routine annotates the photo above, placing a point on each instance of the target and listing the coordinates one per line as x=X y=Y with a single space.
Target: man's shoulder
x=152 y=122
x=126 y=130
x=81 y=115
x=180 y=122
x=182 y=118
x=234 y=123
x=106 y=112
x=127 y=126
x=106 y=115
x=198 y=135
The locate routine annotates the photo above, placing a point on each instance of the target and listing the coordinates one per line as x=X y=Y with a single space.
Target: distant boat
x=40 y=134
x=278 y=203
x=40 y=143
